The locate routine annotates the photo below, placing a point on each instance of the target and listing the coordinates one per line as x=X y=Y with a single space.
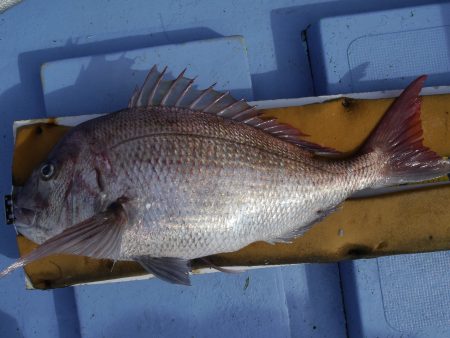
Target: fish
x=184 y=173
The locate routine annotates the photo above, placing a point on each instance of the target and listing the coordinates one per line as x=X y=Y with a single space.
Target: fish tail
x=398 y=142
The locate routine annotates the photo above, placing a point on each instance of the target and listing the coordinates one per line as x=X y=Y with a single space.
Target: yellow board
x=408 y=222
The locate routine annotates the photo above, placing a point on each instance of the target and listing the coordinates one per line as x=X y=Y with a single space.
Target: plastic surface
x=427 y=308
x=394 y=296
x=380 y=50
x=257 y=303
x=399 y=296
x=70 y=30
x=294 y=286
x=36 y=32
x=105 y=83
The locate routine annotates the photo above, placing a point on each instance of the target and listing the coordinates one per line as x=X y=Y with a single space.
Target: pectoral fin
x=169 y=269
x=99 y=236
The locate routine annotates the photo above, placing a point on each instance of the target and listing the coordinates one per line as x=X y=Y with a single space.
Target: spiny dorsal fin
x=179 y=92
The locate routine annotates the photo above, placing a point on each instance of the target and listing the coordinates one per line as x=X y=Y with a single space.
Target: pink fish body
x=183 y=174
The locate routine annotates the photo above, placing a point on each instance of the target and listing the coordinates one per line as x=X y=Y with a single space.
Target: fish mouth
x=24 y=217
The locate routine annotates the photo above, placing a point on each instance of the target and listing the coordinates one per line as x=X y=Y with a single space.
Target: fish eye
x=47 y=171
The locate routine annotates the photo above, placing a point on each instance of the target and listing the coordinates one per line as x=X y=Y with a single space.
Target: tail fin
x=399 y=137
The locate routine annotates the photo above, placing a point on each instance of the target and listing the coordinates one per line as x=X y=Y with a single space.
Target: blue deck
x=375 y=51
x=352 y=47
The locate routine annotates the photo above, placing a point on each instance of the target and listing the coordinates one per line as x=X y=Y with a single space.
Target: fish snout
x=24 y=218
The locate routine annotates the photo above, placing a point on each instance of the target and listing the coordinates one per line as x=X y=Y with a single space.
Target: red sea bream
x=183 y=174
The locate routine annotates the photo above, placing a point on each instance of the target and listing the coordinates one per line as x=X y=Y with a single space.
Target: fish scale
x=185 y=173
x=226 y=182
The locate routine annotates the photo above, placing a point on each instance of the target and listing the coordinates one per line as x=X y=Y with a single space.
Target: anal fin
x=169 y=269
x=290 y=236
x=208 y=262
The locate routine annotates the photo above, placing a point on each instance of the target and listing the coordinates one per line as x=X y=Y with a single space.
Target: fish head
x=55 y=191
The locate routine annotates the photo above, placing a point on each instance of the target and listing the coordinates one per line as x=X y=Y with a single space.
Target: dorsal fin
x=179 y=92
